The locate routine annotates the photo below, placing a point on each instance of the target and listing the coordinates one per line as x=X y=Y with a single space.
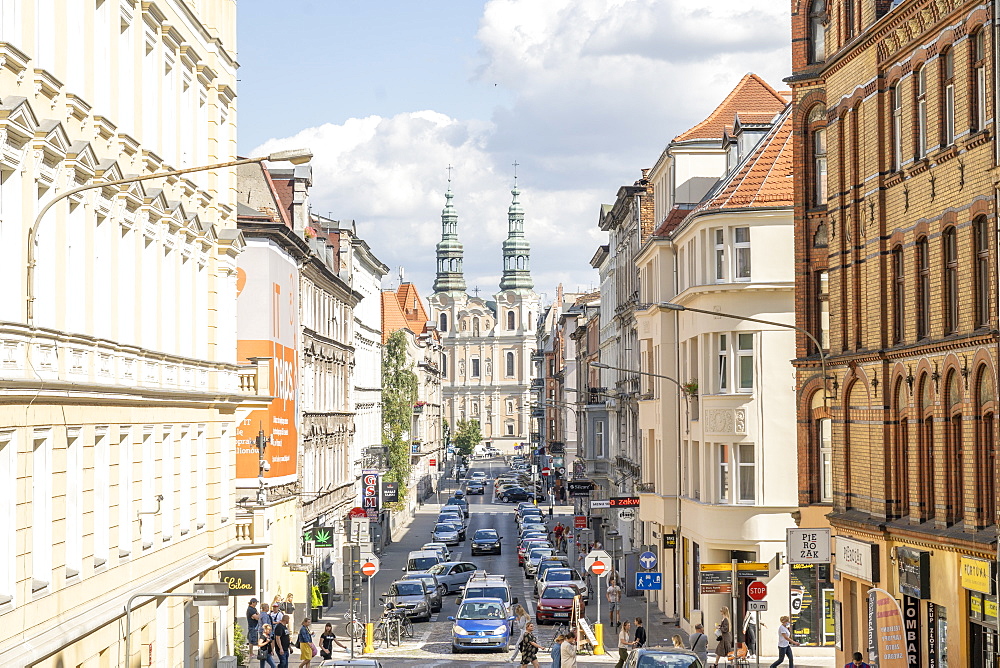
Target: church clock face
x=509 y=298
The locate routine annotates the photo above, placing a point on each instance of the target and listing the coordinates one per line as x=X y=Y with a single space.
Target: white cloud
x=598 y=87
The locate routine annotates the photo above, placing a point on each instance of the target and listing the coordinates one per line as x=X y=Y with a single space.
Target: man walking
x=614 y=596
x=699 y=643
x=640 y=633
x=858 y=662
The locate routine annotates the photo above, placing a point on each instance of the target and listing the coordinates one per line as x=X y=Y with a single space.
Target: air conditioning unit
x=308 y=548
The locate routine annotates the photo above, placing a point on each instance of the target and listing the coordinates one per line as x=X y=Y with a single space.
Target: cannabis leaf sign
x=322 y=536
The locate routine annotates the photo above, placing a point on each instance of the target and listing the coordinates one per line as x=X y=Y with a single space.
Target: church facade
x=487 y=342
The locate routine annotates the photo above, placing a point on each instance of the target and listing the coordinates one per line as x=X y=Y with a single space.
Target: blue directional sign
x=648 y=560
x=648 y=581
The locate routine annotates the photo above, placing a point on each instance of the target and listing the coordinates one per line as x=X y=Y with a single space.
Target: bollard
x=369 y=638
x=599 y=636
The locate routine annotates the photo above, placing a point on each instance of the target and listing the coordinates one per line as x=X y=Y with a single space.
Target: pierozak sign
x=857 y=558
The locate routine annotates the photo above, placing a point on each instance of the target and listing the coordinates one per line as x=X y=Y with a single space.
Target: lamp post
x=822 y=354
x=295 y=156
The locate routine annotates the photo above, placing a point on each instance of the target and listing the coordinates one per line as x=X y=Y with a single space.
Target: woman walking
x=305 y=643
x=567 y=652
x=521 y=620
x=265 y=647
x=724 y=632
x=624 y=644
x=556 y=651
x=785 y=643
x=529 y=648
x=326 y=641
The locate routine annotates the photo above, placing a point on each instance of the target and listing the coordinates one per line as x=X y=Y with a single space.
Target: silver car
x=411 y=597
x=446 y=533
x=561 y=576
x=435 y=590
x=454 y=574
x=535 y=556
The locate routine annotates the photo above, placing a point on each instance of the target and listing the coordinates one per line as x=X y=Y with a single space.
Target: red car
x=556 y=603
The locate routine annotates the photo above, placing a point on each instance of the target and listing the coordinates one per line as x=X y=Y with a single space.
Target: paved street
x=431 y=645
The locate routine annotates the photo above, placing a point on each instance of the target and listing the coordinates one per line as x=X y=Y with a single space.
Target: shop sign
x=914 y=572
x=241 y=583
x=807 y=546
x=669 y=541
x=990 y=610
x=886 y=636
x=977 y=574
x=932 y=644
x=857 y=558
x=911 y=625
x=390 y=492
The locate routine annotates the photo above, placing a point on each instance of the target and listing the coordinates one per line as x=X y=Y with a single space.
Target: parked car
x=441 y=548
x=411 y=597
x=662 y=658
x=446 y=533
x=435 y=590
x=420 y=561
x=535 y=556
x=556 y=603
x=486 y=585
x=516 y=494
x=481 y=623
x=459 y=501
x=476 y=487
x=560 y=576
x=453 y=574
x=486 y=541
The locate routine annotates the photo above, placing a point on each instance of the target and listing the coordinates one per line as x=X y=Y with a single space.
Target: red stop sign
x=757 y=591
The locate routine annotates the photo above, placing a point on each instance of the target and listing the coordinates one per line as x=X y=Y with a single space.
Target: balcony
x=537 y=383
x=598 y=467
x=244 y=527
x=645 y=488
x=255 y=377
x=596 y=395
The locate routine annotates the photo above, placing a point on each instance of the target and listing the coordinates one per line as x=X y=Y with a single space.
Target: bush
x=239 y=644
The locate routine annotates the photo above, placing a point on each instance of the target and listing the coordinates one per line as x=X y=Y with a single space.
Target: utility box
x=226 y=662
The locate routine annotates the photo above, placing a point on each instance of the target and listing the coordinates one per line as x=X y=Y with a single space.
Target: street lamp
x=295 y=156
x=822 y=354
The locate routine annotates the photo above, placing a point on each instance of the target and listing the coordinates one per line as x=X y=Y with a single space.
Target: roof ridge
x=730 y=97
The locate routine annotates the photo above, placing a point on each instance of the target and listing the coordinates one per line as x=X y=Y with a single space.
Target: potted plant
x=418 y=407
x=691 y=387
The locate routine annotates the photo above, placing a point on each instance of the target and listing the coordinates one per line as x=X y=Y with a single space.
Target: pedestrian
x=305 y=643
x=640 y=633
x=521 y=620
x=265 y=615
x=282 y=641
x=678 y=642
x=529 y=648
x=276 y=605
x=724 y=635
x=614 y=596
x=699 y=643
x=858 y=662
x=567 y=652
x=785 y=643
x=265 y=647
x=326 y=641
x=556 y=651
x=289 y=607
x=253 y=625
x=624 y=644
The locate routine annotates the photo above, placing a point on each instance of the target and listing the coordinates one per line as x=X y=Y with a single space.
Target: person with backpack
x=699 y=643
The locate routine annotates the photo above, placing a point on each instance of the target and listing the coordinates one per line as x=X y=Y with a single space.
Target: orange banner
x=886 y=629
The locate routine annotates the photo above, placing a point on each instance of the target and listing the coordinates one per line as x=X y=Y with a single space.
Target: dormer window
x=817 y=31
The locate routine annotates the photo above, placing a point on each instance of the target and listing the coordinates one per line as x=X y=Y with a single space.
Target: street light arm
x=601 y=365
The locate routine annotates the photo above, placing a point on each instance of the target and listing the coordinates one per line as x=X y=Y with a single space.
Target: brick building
x=895 y=275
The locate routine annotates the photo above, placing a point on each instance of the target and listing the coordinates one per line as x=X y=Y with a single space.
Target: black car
x=459 y=501
x=516 y=494
x=475 y=487
x=486 y=541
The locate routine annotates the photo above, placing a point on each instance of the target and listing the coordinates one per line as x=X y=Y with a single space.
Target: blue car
x=481 y=623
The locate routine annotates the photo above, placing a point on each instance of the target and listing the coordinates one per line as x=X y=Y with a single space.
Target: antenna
x=401 y=275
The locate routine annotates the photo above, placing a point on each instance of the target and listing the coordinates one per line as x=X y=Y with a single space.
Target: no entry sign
x=371 y=566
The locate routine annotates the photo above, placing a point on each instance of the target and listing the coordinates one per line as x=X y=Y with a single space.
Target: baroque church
x=488 y=342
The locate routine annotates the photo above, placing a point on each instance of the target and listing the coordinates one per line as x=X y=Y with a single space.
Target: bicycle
x=355 y=622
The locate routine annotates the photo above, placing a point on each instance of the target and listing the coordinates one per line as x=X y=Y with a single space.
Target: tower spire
x=516 y=251
x=449 y=250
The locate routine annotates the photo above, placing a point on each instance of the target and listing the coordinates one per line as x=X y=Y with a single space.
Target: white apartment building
x=118 y=373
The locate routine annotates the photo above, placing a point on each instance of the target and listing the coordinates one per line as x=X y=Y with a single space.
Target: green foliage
x=322 y=580
x=239 y=644
x=399 y=392
x=467 y=436
x=317 y=597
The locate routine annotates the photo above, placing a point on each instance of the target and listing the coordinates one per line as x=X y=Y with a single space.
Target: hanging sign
x=241 y=583
x=914 y=572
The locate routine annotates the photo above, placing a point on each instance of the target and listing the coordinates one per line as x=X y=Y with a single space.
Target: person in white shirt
x=785 y=643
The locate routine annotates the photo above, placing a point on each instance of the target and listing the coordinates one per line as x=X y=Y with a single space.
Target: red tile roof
x=403 y=309
x=764 y=179
x=752 y=95
x=673 y=219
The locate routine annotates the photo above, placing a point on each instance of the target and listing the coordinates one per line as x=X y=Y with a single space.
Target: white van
x=420 y=561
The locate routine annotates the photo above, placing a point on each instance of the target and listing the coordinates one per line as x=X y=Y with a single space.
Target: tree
x=399 y=391
x=467 y=436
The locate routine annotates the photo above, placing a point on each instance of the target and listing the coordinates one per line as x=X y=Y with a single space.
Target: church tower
x=449 y=250
x=516 y=251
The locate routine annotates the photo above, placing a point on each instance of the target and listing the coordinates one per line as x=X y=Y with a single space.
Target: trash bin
x=226 y=662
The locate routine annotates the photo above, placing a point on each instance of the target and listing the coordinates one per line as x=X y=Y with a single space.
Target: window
x=74 y=503
x=8 y=515
x=509 y=426
x=599 y=439
x=977 y=100
x=981 y=229
x=901 y=452
x=898 y=295
x=510 y=320
x=444 y=365
x=41 y=511
x=923 y=289
x=746 y=471
x=823 y=307
x=723 y=363
x=921 y=116
x=186 y=487
x=510 y=406
x=443 y=322
x=849 y=19
x=948 y=97
x=819 y=167
x=745 y=362
x=817 y=31
x=741 y=237
x=950 y=281
x=723 y=473
x=720 y=254
x=897 y=127
x=953 y=496
x=824 y=434
x=474 y=362
x=124 y=492
x=510 y=364
x=985 y=448
x=475 y=326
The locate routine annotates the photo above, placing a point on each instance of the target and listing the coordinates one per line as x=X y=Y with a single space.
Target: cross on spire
x=449 y=172
x=515 y=172
x=476 y=290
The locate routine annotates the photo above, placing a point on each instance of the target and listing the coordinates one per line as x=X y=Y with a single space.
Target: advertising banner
x=267 y=316
x=887 y=638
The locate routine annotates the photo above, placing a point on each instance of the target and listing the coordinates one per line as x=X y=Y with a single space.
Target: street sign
x=756 y=591
x=624 y=501
x=716 y=578
x=211 y=593
x=597 y=562
x=757 y=606
x=562 y=470
x=580 y=521
x=648 y=560
x=649 y=581
x=371 y=566
x=627 y=514
x=808 y=546
x=753 y=570
x=599 y=503
x=546 y=471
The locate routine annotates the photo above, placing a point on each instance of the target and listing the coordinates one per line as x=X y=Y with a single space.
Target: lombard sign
x=857 y=558
x=241 y=583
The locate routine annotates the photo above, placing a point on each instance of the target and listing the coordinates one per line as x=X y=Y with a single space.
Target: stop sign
x=598 y=567
x=546 y=471
x=757 y=591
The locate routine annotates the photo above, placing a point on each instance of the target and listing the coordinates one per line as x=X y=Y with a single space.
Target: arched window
x=920 y=103
x=950 y=280
x=817 y=31
x=823 y=450
x=981 y=230
x=898 y=295
x=443 y=322
x=900 y=453
x=953 y=505
x=925 y=463
x=923 y=289
x=510 y=364
x=947 y=60
x=475 y=326
x=510 y=319
x=816 y=124
x=985 y=449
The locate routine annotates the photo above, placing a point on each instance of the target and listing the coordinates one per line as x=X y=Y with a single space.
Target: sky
x=582 y=94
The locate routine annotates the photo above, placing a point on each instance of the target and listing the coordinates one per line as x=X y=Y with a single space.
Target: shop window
x=811 y=603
